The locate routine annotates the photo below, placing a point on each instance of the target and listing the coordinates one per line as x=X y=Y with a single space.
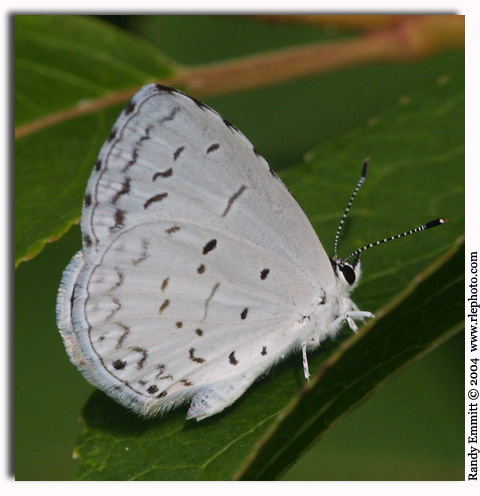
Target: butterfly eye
x=348 y=273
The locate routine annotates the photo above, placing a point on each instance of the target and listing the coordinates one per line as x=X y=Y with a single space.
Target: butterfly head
x=348 y=274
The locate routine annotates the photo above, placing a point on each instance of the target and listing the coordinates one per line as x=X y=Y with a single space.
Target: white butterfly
x=199 y=270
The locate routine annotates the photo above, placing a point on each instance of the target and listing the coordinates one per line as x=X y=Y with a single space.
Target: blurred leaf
x=60 y=63
x=62 y=60
x=417 y=174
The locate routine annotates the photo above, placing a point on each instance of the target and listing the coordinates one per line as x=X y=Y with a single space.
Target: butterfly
x=199 y=270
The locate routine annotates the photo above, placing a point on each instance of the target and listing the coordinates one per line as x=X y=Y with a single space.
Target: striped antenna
x=428 y=225
x=363 y=176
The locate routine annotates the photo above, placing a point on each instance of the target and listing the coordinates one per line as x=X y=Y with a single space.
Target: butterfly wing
x=197 y=263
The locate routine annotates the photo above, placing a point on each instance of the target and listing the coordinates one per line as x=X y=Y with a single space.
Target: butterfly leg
x=351 y=323
x=305 y=361
x=348 y=318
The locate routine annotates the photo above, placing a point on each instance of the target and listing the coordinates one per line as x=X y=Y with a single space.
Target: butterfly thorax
x=330 y=305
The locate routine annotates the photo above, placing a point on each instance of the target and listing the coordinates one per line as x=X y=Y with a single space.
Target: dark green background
x=386 y=438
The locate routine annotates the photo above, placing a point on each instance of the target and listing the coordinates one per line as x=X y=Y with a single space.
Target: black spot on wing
x=233 y=198
x=130 y=108
x=177 y=153
x=125 y=332
x=244 y=314
x=112 y=135
x=145 y=136
x=171 y=115
x=119 y=219
x=132 y=161
x=213 y=147
x=232 y=359
x=120 y=280
x=116 y=301
x=164 y=305
x=167 y=173
x=143 y=352
x=124 y=191
x=191 y=353
x=209 y=246
x=154 y=199
x=161 y=373
x=119 y=364
x=264 y=274
x=144 y=255
x=172 y=230
x=209 y=299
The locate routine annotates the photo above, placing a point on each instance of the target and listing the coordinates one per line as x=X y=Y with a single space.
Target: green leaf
x=416 y=175
x=62 y=63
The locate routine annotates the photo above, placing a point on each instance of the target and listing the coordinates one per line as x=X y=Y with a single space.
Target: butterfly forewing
x=197 y=263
